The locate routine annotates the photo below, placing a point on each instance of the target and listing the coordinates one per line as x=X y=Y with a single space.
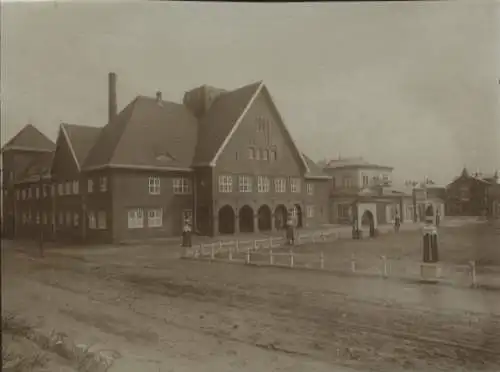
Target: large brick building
x=223 y=158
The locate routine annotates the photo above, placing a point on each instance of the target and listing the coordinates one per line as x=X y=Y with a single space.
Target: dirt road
x=153 y=312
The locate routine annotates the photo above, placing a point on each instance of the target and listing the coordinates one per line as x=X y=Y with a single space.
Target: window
x=68 y=188
x=225 y=184
x=310 y=211
x=92 y=220
x=44 y=218
x=280 y=185
x=60 y=189
x=295 y=184
x=347 y=182
x=251 y=153
x=310 y=189
x=103 y=184
x=154 y=185
x=90 y=186
x=76 y=219
x=37 y=218
x=155 y=217
x=245 y=183
x=182 y=185
x=366 y=180
x=101 y=220
x=18 y=194
x=68 y=218
x=343 y=210
x=274 y=155
x=135 y=218
x=263 y=184
x=76 y=187
x=265 y=155
x=61 y=218
x=37 y=192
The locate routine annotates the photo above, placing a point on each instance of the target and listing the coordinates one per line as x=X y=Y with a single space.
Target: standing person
x=186 y=233
x=397 y=222
x=438 y=218
x=289 y=231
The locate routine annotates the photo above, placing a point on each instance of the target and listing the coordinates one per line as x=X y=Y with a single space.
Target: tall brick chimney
x=112 y=106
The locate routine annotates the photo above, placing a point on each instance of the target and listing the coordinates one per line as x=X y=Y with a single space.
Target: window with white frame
x=295 y=184
x=90 y=185
x=245 y=183
x=92 y=220
x=225 y=183
x=310 y=188
x=60 y=189
x=366 y=180
x=155 y=217
x=76 y=219
x=310 y=211
x=280 y=185
x=103 y=184
x=263 y=184
x=69 y=219
x=154 y=185
x=182 y=185
x=76 y=187
x=101 y=220
x=68 y=188
x=44 y=218
x=37 y=192
x=136 y=218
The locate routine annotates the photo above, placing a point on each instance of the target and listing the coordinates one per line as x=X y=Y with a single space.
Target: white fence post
x=271 y=258
x=384 y=261
x=291 y=258
x=247 y=260
x=322 y=261
x=473 y=273
x=353 y=263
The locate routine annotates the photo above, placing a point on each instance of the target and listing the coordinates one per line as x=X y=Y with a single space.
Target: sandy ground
x=150 y=311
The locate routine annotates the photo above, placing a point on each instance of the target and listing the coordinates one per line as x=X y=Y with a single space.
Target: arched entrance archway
x=297 y=211
x=246 y=219
x=280 y=216
x=264 y=214
x=226 y=220
x=367 y=220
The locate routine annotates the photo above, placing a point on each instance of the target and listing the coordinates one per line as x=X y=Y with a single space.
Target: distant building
x=469 y=195
x=223 y=159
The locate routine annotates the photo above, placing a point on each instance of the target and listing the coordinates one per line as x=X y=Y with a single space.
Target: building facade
x=221 y=159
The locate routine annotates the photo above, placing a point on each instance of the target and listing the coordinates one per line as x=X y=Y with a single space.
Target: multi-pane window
x=245 y=183
x=37 y=192
x=60 y=189
x=295 y=184
x=76 y=219
x=92 y=220
x=101 y=220
x=90 y=185
x=310 y=188
x=366 y=180
x=263 y=184
x=155 y=217
x=103 y=184
x=76 y=187
x=182 y=185
x=225 y=183
x=68 y=188
x=310 y=211
x=69 y=219
x=136 y=218
x=251 y=153
x=280 y=185
x=154 y=185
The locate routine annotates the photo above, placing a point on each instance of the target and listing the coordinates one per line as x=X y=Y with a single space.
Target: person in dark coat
x=397 y=222
x=186 y=233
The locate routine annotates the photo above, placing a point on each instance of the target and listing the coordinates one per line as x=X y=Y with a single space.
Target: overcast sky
x=412 y=85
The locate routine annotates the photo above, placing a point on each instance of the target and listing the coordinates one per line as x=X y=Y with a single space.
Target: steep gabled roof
x=216 y=125
x=147 y=134
x=80 y=139
x=314 y=170
x=30 y=139
x=39 y=167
